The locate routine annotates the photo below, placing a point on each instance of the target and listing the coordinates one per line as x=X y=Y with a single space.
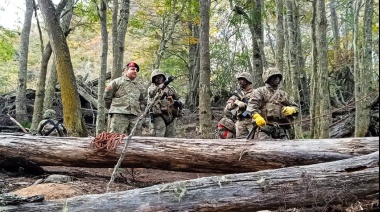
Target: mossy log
x=317 y=185
x=190 y=155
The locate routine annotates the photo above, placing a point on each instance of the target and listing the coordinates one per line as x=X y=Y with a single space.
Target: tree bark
x=363 y=73
x=41 y=82
x=280 y=40
x=316 y=185
x=73 y=119
x=118 y=39
x=205 y=71
x=190 y=155
x=101 y=117
x=21 y=114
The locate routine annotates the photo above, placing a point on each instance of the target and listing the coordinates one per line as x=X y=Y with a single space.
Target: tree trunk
x=206 y=128
x=190 y=155
x=313 y=81
x=323 y=122
x=194 y=63
x=21 y=114
x=293 y=62
x=363 y=74
x=316 y=185
x=118 y=41
x=335 y=29
x=101 y=117
x=41 y=82
x=280 y=40
x=70 y=99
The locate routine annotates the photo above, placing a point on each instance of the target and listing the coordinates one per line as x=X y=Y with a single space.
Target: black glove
x=177 y=104
x=169 y=80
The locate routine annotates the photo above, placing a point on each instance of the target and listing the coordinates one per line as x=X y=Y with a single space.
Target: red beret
x=133 y=64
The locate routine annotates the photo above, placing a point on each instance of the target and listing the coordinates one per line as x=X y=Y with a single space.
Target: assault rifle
x=240 y=94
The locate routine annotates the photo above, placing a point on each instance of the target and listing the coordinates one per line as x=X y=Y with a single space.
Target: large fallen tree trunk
x=316 y=185
x=193 y=155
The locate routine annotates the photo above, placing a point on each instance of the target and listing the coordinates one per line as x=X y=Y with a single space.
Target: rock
x=57 y=178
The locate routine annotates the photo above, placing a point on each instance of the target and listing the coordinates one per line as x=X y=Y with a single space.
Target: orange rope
x=107 y=142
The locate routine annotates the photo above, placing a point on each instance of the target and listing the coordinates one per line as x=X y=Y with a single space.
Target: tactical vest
x=272 y=109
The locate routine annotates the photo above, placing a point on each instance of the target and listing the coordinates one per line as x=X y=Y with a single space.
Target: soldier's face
x=131 y=72
x=242 y=82
x=158 y=79
x=274 y=80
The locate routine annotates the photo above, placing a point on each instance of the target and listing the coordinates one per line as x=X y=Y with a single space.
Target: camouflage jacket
x=261 y=102
x=233 y=108
x=161 y=104
x=124 y=96
x=45 y=126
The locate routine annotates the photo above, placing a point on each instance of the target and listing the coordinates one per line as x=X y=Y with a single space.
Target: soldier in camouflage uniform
x=165 y=109
x=226 y=128
x=123 y=98
x=237 y=105
x=50 y=126
x=272 y=108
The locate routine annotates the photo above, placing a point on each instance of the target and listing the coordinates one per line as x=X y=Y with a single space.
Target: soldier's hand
x=287 y=111
x=260 y=121
x=240 y=104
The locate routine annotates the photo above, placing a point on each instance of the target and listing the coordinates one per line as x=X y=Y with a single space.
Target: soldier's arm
x=255 y=101
x=109 y=93
x=231 y=102
x=176 y=96
x=152 y=91
x=292 y=102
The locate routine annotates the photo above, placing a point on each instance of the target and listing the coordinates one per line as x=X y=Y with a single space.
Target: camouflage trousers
x=243 y=126
x=158 y=127
x=124 y=123
x=274 y=132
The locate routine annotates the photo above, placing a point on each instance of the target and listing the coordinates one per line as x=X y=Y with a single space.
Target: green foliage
x=6 y=47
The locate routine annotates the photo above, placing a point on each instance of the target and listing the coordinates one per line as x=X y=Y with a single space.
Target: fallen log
x=317 y=185
x=191 y=155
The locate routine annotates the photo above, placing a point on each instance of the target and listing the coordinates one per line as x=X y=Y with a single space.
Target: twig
x=18 y=124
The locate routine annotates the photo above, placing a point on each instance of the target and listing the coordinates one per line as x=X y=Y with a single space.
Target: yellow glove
x=260 y=121
x=287 y=111
x=240 y=104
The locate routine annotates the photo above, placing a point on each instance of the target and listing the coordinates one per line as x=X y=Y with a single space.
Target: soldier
x=226 y=128
x=166 y=108
x=237 y=105
x=272 y=108
x=123 y=97
x=50 y=126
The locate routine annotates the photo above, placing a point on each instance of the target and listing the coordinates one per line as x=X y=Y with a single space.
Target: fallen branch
x=18 y=124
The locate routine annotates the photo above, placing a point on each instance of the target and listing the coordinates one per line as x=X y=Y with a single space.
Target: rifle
x=250 y=134
x=240 y=95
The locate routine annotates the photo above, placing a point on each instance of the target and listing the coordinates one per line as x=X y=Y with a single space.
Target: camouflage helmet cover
x=270 y=72
x=157 y=72
x=245 y=75
x=227 y=123
x=48 y=114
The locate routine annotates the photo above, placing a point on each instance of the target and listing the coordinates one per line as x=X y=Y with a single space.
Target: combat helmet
x=247 y=76
x=227 y=123
x=270 y=72
x=49 y=114
x=156 y=72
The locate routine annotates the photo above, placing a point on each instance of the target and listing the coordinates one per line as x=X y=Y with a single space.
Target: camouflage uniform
x=243 y=121
x=163 y=112
x=270 y=108
x=50 y=126
x=226 y=128
x=123 y=98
